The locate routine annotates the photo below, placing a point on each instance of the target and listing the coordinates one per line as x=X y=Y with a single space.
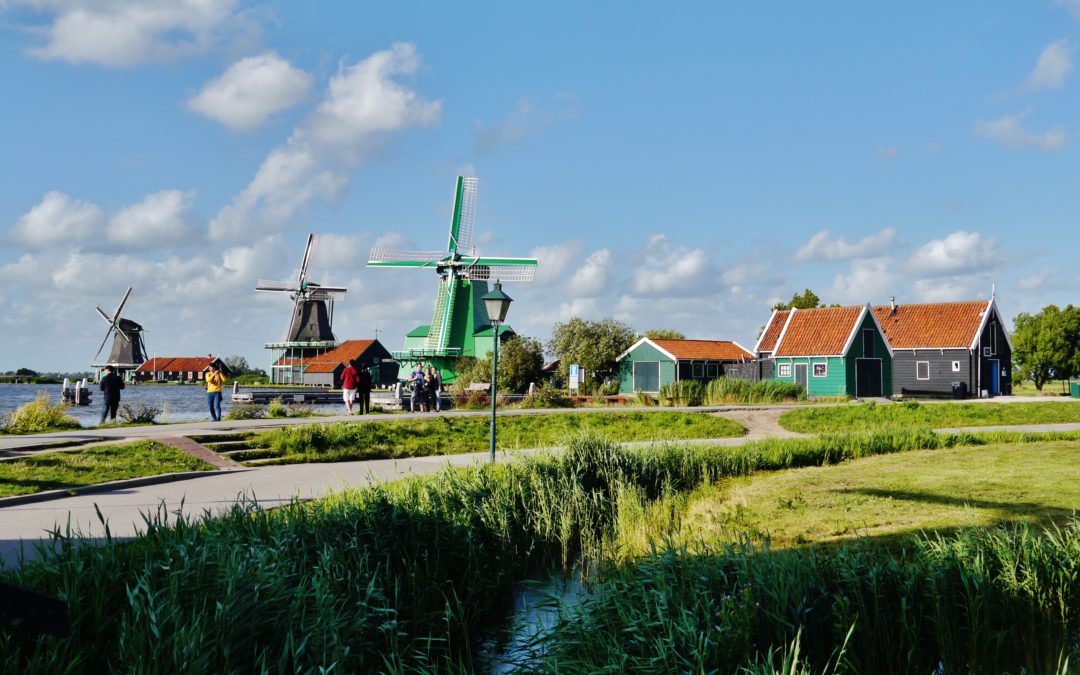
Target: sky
x=680 y=167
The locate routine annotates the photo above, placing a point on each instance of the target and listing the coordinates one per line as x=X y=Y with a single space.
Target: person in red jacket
x=350 y=378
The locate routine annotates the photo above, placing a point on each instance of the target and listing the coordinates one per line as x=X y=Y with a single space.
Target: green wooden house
x=832 y=351
x=649 y=364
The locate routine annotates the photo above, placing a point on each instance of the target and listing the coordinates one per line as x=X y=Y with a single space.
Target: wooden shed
x=178 y=368
x=325 y=370
x=649 y=364
x=832 y=351
x=938 y=344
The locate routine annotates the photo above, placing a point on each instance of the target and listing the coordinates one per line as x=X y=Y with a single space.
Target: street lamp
x=497 y=304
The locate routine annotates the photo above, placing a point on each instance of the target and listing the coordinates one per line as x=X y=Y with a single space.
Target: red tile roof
x=176 y=364
x=818 y=332
x=768 y=338
x=716 y=350
x=343 y=353
x=938 y=325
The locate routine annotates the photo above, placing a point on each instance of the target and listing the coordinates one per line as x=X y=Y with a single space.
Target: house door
x=800 y=374
x=995 y=377
x=867 y=378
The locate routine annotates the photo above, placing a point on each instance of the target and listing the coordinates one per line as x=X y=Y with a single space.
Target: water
x=179 y=403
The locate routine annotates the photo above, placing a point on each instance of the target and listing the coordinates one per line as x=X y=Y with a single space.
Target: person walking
x=350 y=379
x=214 y=380
x=364 y=391
x=110 y=386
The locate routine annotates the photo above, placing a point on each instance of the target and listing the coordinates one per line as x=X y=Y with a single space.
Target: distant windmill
x=460 y=325
x=128 y=348
x=310 y=327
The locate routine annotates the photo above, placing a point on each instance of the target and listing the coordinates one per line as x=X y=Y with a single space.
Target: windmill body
x=309 y=331
x=128 y=347
x=460 y=325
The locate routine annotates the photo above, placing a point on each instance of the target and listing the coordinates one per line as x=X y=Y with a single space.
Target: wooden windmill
x=128 y=349
x=310 y=330
x=460 y=325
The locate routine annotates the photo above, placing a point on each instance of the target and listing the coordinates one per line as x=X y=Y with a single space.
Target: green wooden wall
x=833 y=384
x=644 y=352
x=880 y=352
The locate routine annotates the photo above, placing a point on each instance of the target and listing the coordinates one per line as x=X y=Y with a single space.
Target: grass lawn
x=871 y=416
x=889 y=496
x=75 y=468
x=1055 y=388
x=455 y=435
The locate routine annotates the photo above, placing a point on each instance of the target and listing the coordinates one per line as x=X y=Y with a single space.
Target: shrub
x=471 y=399
x=682 y=393
x=139 y=413
x=37 y=416
x=547 y=395
x=245 y=411
x=279 y=408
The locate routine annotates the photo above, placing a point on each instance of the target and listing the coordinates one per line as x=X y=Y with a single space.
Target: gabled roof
x=824 y=331
x=696 y=350
x=176 y=364
x=342 y=354
x=767 y=341
x=937 y=325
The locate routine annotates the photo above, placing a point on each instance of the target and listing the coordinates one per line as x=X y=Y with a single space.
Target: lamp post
x=497 y=304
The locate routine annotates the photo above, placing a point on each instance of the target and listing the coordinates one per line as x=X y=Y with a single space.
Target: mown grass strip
x=870 y=416
x=77 y=468
x=455 y=434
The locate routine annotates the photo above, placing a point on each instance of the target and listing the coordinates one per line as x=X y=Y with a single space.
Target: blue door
x=995 y=377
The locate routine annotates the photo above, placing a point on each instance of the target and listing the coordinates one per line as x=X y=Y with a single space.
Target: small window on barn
x=956 y=366
x=699 y=370
x=922 y=370
x=714 y=370
x=821 y=369
x=993 y=338
x=783 y=370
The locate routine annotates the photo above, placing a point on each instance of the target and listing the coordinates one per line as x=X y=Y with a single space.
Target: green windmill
x=460 y=326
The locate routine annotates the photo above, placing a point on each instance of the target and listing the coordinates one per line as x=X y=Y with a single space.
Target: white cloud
x=526 y=119
x=958 y=253
x=591 y=278
x=122 y=33
x=667 y=271
x=362 y=101
x=823 y=247
x=953 y=289
x=1072 y=6
x=251 y=90
x=554 y=260
x=57 y=219
x=1011 y=134
x=160 y=219
x=1053 y=66
x=340 y=252
x=868 y=280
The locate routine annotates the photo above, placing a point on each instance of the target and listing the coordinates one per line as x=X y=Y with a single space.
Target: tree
x=807 y=300
x=664 y=334
x=1045 y=345
x=238 y=365
x=521 y=359
x=26 y=372
x=594 y=345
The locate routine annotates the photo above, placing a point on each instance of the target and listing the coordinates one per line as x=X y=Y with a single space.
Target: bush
x=245 y=411
x=682 y=393
x=279 y=408
x=471 y=399
x=139 y=413
x=547 y=395
x=726 y=390
x=37 y=416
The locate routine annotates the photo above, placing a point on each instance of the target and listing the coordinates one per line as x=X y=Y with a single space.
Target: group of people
x=426 y=388
x=111 y=384
x=356 y=388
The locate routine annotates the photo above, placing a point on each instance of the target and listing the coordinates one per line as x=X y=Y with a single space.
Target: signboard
x=575 y=376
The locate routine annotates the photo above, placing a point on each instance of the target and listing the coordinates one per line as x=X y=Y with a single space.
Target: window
x=699 y=370
x=647 y=376
x=783 y=369
x=956 y=366
x=993 y=338
x=714 y=370
x=922 y=370
x=868 y=343
x=821 y=369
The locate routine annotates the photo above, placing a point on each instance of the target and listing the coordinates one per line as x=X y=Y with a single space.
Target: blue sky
x=671 y=167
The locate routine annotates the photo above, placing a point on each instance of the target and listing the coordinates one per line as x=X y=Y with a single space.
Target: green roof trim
x=419 y=331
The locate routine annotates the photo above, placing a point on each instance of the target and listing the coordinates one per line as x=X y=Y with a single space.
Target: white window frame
x=918 y=364
x=824 y=369
x=783 y=370
x=633 y=376
x=956 y=366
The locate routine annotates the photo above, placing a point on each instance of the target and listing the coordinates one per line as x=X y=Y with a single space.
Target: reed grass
x=724 y=390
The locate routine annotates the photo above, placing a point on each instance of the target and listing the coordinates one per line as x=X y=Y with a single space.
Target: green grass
x=870 y=416
x=1053 y=388
x=88 y=466
x=456 y=434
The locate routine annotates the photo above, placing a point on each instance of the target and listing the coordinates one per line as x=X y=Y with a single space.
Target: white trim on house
x=751 y=354
x=867 y=309
x=780 y=366
x=757 y=345
x=652 y=344
x=918 y=364
x=823 y=364
x=783 y=331
x=991 y=306
x=633 y=376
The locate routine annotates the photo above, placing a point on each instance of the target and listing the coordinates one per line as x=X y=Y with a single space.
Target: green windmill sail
x=460 y=325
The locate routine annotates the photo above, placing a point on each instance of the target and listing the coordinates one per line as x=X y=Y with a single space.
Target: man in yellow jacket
x=214 y=379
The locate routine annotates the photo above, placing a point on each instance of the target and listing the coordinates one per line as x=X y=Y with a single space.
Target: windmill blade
x=328 y=293
x=108 y=334
x=500 y=272
x=461 y=229
x=120 y=307
x=268 y=285
x=310 y=253
x=385 y=257
x=293 y=319
x=105 y=316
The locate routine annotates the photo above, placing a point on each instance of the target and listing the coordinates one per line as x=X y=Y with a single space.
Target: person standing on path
x=431 y=388
x=110 y=386
x=214 y=380
x=416 y=381
x=350 y=380
x=364 y=391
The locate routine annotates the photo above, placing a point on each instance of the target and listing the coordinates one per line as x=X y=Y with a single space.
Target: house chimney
x=892 y=305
